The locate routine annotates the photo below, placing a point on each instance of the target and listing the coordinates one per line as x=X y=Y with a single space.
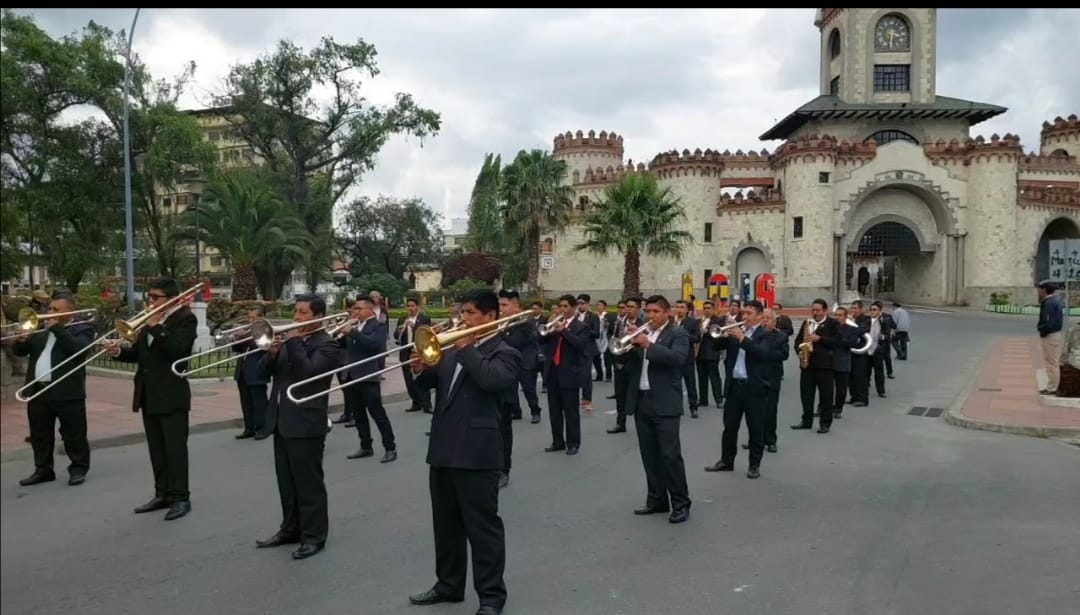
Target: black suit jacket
x=592 y=324
x=157 y=389
x=849 y=338
x=766 y=352
x=709 y=347
x=666 y=355
x=70 y=339
x=465 y=426
x=783 y=322
x=825 y=349
x=401 y=336
x=299 y=359
x=576 y=340
x=523 y=338
x=247 y=367
x=692 y=326
x=364 y=342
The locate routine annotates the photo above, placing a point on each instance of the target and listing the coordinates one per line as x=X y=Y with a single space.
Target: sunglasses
x=156 y=295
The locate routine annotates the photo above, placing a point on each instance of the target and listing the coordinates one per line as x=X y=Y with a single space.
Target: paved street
x=890 y=514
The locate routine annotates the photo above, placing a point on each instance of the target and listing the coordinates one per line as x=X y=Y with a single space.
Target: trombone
x=623 y=345
x=128 y=330
x=29 y=320
x=263 y=335
x=223 y=335
x=428 y=343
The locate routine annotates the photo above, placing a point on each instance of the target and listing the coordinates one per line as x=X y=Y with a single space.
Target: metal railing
x=224 y=370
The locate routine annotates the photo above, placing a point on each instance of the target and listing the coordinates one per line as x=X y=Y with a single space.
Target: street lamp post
x=129 y=233
x=198 y=225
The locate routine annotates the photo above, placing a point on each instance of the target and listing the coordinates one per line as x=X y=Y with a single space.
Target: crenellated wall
x=1063 y=134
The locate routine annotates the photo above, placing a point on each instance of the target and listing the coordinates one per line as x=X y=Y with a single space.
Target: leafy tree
x=636 y=217
x=485 y=233
x=390 y=235
x=273 y=108
x=479 y=266
x=242 y=217
x=535 y=196
x=393 y=288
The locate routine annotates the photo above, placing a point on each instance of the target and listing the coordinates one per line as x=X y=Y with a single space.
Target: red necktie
x=558 y=351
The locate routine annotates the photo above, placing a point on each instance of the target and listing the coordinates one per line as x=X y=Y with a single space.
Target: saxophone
x=807 y=346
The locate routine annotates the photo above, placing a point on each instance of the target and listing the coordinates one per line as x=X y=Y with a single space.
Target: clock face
x=892 y=34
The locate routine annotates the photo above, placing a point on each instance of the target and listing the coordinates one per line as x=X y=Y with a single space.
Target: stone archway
x=749 y=263
x=1057 y=228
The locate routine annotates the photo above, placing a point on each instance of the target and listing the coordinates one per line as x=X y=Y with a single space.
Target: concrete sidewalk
x=215 y=405
x=1005 y=396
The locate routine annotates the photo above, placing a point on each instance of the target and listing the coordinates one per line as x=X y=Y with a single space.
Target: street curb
x=27 y=453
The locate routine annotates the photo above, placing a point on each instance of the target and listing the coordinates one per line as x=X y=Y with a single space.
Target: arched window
x=834 y=44
x=1060 y=153
x=888 y=136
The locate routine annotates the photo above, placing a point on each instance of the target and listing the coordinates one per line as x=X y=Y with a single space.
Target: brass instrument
x=29 y=320
x=549 y=327
x=717 y=330
x=263 y=335
x=868 y=340
x=624 y=344
x=128 y=331
x=806 y=347
x=428 y=344
x=222 y=337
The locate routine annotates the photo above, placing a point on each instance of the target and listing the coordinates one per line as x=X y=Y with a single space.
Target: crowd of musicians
x=663 y=357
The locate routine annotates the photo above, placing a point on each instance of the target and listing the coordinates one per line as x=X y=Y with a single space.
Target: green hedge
x=1026 y=310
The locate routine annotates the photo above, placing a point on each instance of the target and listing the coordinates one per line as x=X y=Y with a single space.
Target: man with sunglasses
x=163 y=397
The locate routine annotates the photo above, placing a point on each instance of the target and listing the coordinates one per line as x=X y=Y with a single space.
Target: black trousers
x=166 y=437
x=877 y=364
x=899 y=343
x=743 y=401
x=506 y=428
x=42 y=415
x=708 y=373
x=586 y=378
x=420 y=398
x=298 y=463
x=772 y=408
x=821 y=381
x=859 y=383
x=840 y=381
x=622 y=382
x=609 y=364
x=253 y=400
x=563 y=409
x=527 y=380
x=366 y=399
x=465 y=508
x=689 y=371
x=661 y=454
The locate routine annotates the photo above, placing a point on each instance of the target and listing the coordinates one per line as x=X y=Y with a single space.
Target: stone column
x=203 y=339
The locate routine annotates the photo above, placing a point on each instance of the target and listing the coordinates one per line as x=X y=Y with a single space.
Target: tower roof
x=828 y=107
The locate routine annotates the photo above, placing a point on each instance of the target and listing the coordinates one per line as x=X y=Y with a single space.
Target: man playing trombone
x=57 y=340
x=403 y=335
x=164 y=398
x=465 y=457
x=251 y=384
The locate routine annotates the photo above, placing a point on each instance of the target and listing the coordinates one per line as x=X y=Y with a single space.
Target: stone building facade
x=877 y=190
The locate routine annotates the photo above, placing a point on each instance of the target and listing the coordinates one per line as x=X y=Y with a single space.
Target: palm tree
x=535 y=196
x=247 y=222
x=636 y=217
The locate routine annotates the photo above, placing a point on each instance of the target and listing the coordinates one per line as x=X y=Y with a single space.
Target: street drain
x=934 y=412
x=924 y=411
x=917 y=410
x=990 y=389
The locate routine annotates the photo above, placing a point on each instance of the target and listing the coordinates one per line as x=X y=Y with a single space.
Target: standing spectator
x=1049 y=327
x=901 y=336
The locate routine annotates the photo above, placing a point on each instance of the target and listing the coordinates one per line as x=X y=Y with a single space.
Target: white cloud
x=671 y=79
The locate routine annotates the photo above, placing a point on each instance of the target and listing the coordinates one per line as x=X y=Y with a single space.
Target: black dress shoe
x=554 y=449
x=823 y=430
x=413 y=409
x=610 y=397
x=364 y=452
x=178 y=509
x=388 y=457
x=281 y=538
x=753 y=472
x=306 y=550
x=617 y=429
x=39 y=476
x=157 y=503
x=244 y=435
x=746 y=447
x=693 y=413
x=77 y=477
x=504 y=480
x=488 y=609
x=679 y=515
x=859 y=404
x=720 y=466
x=342 y=419
x=535 y=419
x=802 y=426
x=649 y=510
x=572 y=450
x=261 y=436
x=433 y=597
x=771 y=448
x=703 y=404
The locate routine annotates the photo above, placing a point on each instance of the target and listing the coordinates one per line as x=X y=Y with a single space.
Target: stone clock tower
x=878 y=55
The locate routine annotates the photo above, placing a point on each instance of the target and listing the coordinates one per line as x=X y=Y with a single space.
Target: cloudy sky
x=507 y=80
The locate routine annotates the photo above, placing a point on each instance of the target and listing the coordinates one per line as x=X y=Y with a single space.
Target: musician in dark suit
x=403 y=335
x=465 y=454
x=57 y=340
x=849 y=338
x=251 y=383
x=824 y=335
x=632 y=319
x=164 y=397
x=522 y=339
x=693 y=329
x=607 y=325
x=592 y=327
x=783 y=321
x=880 y=361
x=654 y=369
x=538 y=319
x=300 y=429
x=772 y=399
x=753 y=358
x=564 y=352
x=859 y=383
x=367 y=339
x=708 y=358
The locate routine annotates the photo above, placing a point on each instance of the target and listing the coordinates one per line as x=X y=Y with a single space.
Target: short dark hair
x=567 y=298
x=412 y=299
x=778 y=306
x=536 y=303
x=707 y=302
x=258 y=309
x=59 y=291
x=636 y=299
x=584 y=297
x=839 y=309
x=315 y=302
x=858 y=303
x=659 y=300
x=622 y=302
x=602 y=301
x=63 y=295
x=878 y=305
x=485 y=300
x=896 y=304
x=512 y=295
x=823 y=303
x=755 y=305
x=165 y=285
x=735 y=302
x=364 y=297
x=680 y=302
x=1047 y=285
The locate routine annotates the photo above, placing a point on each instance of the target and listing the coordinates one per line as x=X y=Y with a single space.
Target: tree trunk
x=244 y=283
x=631 y=273
x=532 y=250
x=73 y=279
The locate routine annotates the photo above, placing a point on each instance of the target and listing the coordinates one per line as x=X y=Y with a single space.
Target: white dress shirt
x=643 y=384
x=44 y=362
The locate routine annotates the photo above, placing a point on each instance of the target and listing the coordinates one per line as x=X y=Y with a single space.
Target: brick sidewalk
x=214 y=405
x=1006 y=395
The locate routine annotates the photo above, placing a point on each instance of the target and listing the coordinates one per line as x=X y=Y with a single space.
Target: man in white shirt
x=902 y=335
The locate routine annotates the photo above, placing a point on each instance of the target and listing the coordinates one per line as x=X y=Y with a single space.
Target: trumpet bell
x=262 y=334
x=427 y=345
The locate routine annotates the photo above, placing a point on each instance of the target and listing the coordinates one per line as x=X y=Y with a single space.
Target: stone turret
x=593 y=153
x=1061 y=135
x=991 y=197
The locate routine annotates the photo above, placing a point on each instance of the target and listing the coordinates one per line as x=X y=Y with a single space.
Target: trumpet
x=549 y=327
x=624 y=344
x=716 y=331
x=263 y=335
x=428 y=344
x=128 y=331
x=29 y=320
